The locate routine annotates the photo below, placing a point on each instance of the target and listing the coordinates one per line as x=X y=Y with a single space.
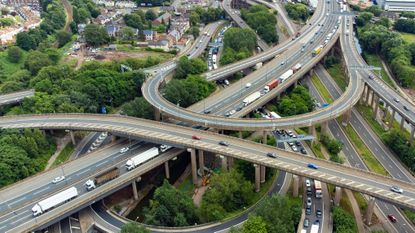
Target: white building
x=399 y=5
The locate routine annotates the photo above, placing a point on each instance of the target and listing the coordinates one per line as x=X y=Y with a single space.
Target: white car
x=307 y=183
x=58 y=179
x=233 y=111
x=396 y=189
x=294 y=148
x=309 y=202
x=248 y=85
x=124 y=149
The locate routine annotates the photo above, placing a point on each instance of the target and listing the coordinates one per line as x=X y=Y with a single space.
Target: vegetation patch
x=260 y=19
x=64 y=155
x=321 y=89
x=238 y=44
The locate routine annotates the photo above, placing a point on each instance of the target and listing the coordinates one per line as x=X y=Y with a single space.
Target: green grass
x=361 y=201
x=367 y=114
x=64 y=155
x=370 y=160
x=316 y=148
x=345 y=203
x=375 y=60
x=321 y=89
x=8 y=67
x=187 y=186
x=337 y=74
x=408 y=37
x=410 y=214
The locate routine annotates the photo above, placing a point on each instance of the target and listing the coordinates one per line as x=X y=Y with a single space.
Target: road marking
x=18 y=200
x=101 y=163
x=37 y=192
x=85 y=171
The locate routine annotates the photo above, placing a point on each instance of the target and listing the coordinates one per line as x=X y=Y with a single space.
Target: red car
x=196 y=137
x=392 y=218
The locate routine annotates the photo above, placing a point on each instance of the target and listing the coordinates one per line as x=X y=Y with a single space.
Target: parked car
x=318 y=213
x=309 y=202
x=303 y=151
x=309 y=192
x=307 y=183
x=308 y=211
x=58 y=179
x=306 y=223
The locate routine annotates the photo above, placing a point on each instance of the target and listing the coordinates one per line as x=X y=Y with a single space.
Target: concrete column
x=202 y=162
x=167 y=169
x=264 y=137
x=157 y=114
x=325 y=128
x=311 y=72
x=312 y=131
x=296 y=185
x=367 y=95
x=72 y=137
x=375 y=111
x=194 y=167
x=113 y=138
x=51 y=132
x=224 y=163
x=263 y=170
x=402 y=122
x=240 y=134
x=362 y=98
x=369 y=210
x=135 y=193
x=337 y=195
x=230 y=162
x=385 y=112
x=373 y=99
x=411 y=136
x=257 y=177
x=392 y=119
x=346 y=117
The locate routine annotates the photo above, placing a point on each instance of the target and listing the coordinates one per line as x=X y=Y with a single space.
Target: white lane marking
x=18 y=200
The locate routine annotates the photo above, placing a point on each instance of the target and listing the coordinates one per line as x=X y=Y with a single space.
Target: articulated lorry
x=251 y=98
x=102 y=178
x=142 y=158
x=54 y=201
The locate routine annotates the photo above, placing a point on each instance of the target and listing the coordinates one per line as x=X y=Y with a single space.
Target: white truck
x=251 y=98
x=102 y=178
x=314 y=228
x=286 y=75
x=258 y=65
x=214 y=58
x=54 y=201
x=141 y=158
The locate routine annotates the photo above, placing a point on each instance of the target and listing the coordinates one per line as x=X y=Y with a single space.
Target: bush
x=14 y=54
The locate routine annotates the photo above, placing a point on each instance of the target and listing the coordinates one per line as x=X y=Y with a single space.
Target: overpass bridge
x=15 y=97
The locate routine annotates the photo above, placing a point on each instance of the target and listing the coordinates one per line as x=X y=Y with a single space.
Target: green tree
x=150 y=15
x=25 y=41
x=138 y=107
x=133 y=227
x=364 y=18
x=254 y=224
x=297 y=11
x=188 y=66
x=14 y=54
x=96 y=35
x=239 y=39
x=36 y=60
x=194 y=18
x=343 y=222
x=127 y=33
x=63 y=37
x=375 y=10
x=260 y=19
x=195 y=31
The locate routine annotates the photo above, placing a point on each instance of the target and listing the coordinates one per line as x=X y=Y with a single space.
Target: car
x=248 y=85
x=272 y=155
x=238 y=109
x=283 y=63
x=303 y=151
x=309 y=202
x=308 y=211
x=309 y=192
x=318 y=213
x=318 y=24
x=124 y=149
x=207 y=111
x=290 y=133
x=396 y=189
x=231 y=112
x=195 y=137
x=294 y=136
x=307 y=183
x=58 y=179
x=297 y=143
x=306 y=223
x=406 y=108
x=317 y=222
x=302 y=50
x=294 y=148
x=291 y=143
x=396 y=100
x=392 y=217
x=312 y=165
x=370 y=77
x=223 y=143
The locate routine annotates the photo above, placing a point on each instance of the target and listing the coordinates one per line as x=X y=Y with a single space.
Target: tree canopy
x=343 y=222
x=133 y=227
x=299 y=101
x=96 y=35
x=297 y=11
x=260 y=19
x=238 y=45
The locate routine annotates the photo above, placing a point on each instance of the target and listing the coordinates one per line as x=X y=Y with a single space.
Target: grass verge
x=370 y=160
x=64 y=155
x=321 y=89
x=337 y=74
x=361 y=201
x=375 y=60
x=408 y=37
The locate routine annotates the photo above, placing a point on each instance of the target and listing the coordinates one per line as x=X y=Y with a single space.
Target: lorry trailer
x=102 y=178
x=251 y=98
x=142 y=158
x=54 y=201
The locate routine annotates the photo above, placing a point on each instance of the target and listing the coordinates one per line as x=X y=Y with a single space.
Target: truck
x=297 y=67
x=314 y=228
x=54 y=201
x=274 y=115
x=271 y=85
x=214 y=58
x=251 y=98
x=258 y=65
x=329 y=36
x=102 y=178
x=286 y=75
x=317 y=50
x=142 y=158
x=317 y=187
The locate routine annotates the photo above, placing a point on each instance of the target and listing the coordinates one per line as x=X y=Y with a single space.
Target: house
x=112 y=30
x=174 y=36
x=149 y=35
x=159 y=44
x=102 y=19
x=164 y=18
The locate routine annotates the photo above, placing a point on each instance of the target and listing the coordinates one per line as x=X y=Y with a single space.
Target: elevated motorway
x=15 y=97
x=354 y=179
x=226 y=5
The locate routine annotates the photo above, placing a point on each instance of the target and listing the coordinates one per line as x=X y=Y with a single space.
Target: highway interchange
x=259 y=85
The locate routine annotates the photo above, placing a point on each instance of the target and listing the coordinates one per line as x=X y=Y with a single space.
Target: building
x=112 y=30
x=149 y=35
x=159 y=44
x=164 y=18
x=399 y=5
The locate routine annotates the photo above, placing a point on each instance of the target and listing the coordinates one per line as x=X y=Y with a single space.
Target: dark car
x=297 y=143
x=303 y=151
x=406 y=108
x=223 y=143
x=309 y=192
x=308 y=211
x=318 y=213
x=206 y=111
x=272 y=155
x=312 y=165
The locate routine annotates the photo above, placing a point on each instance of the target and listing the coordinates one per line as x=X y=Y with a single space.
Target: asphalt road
x=15 y=97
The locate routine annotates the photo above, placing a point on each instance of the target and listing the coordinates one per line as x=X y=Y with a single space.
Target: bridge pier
x=72 y=137
x=402 y=122
x=257 y=178
x=263 y=170
x=135 y=193
x=411 y=136
x=369 y=210
x=346 y=117
x=337 y=195
x=167 y=169
x=325 y=128
x=157 y=114
x=375 y=111
x=264 y=137
x=312 y=131
x=224 y=163
x=193 y=164
x=296 y=185
x=367 y=95
x=202 y=162
x=392 y=118
x=372 y=101
x=240 y=134
x=311 y=72
x=362 y=99
x=385 y=112
x=230 y=162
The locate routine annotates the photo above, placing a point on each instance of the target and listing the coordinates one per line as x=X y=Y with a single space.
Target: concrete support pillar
x=230 y=162
x=346 y=117
x=135 y=193
x=296 y=185
x=264 y=137
x=240 y=134
x=369 y=210
x=194 y=166
x=392 y=119
x=385 y=112
x=411 y=136
x=113 y=138
x=325 y=128
x=257 y=178
x=51 y=132
x=312 y=131
x=402 y=122
x=337 y=195
x=224 y=163
x=167 y=169
x=157 y=114
x=367 y=95
x=72 y=137
x=362 y=100
x=375 y=111
x=202 y=162
x=373 y=99
x=311 y=72
x=263 y=171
